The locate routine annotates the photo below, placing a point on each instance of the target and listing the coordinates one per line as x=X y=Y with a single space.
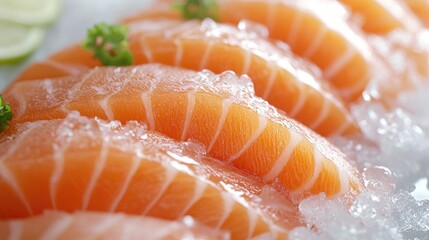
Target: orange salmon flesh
x=218 y=111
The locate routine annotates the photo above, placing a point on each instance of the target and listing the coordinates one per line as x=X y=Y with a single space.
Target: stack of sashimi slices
x=216 y=131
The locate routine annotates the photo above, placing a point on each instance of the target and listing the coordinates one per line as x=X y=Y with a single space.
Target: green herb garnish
x=5 y=114
x=198 y=9
x=109 y=44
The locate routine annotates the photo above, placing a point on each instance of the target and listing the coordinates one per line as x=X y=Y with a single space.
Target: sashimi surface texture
x=219 y=111
x=318 y=30
x=81 y=164
x=289 y=83
x=104 y=226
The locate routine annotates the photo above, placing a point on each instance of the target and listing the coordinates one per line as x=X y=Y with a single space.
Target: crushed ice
x=394 y=158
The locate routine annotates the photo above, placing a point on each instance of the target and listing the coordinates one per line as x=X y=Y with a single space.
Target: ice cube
x=421 y=191
x=402 y=145
x=412 y=215
x=331 y=219
x=394 y=139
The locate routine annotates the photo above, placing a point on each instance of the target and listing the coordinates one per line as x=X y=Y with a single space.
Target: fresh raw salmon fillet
x=382 y=16
x=92 y=165
x=285 y=82
x=103 y=226
x=70 y=61
x=420 y=8
x=398 y=38
x=219 y=111
x=401 y=42
x=315 y=29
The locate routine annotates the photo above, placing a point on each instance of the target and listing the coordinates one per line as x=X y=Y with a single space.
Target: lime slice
x=29 y=12
x=18 y=41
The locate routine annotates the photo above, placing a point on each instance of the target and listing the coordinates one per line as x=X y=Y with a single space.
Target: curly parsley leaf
x=109 y=44
x=198 y=9
x=5 y=114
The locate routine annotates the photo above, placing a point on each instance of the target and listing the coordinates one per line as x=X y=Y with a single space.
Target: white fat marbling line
x=341 y=128
x=358 y=87
x=100 y=163
x=339 y=62
x=47 y=85
x=17 y=141
x=262 y=124
x=57 y=173
x=8 y=176
x=133 y=169
x=76 y=88
x=253 y=219
x=179 y=52
x=247 y=61
x=147 y=102
x=281 y=163
x=296 y=25
x=270 y=82
x=22 y=104
x=206 y=55
x=226 y=104
x=145 y=48
x=318 y=159
x=179 y=30
x=322 y=115
x=299 y=103
x=104 y=103
x=228 y=204
x=200 y=187
x=170 y=174
x=315 y=45
x=271 y=14
x=67 y=68
x=189 y=113
x=344 y=182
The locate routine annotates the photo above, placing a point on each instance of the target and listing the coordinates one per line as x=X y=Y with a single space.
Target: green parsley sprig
x=5 y=114
x=198 y=9
x=109 y=44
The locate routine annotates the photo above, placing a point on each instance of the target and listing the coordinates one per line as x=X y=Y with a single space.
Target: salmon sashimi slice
x=314 y=29
x=398 y=38
x=219 y=111
x=105 y=226
x=279 y=78
x=85 y=164
x=383 y=16
x=420 y=8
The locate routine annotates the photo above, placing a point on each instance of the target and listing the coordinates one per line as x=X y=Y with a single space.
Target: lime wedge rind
x=22 y=26
x=44 y=15
x=28 y=43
